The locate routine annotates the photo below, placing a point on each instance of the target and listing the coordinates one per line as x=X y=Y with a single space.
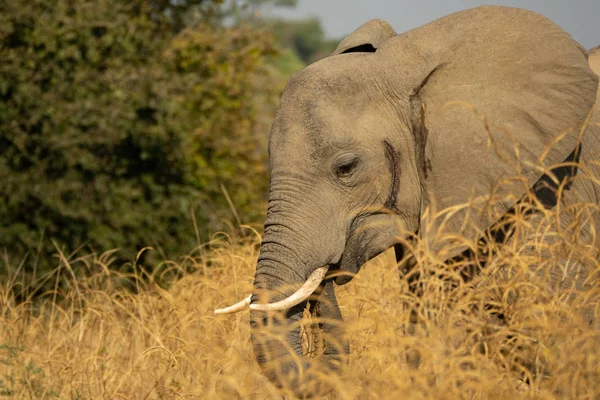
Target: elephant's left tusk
x=240 y=306
x=311 y=284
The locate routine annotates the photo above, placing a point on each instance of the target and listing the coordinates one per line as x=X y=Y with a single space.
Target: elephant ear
x=498 y=95
x=595 y=59
x=367 y=38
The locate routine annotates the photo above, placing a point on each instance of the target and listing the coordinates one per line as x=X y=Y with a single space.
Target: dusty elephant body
x=368 y=142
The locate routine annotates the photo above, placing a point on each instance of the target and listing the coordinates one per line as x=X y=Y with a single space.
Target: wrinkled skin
x=365 y=142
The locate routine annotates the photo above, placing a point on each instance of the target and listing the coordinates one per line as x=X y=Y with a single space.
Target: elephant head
x=367 y=142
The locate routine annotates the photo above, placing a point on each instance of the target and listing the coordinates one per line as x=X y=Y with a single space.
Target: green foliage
x=306 y=37
x=121 y=128
x=223 y=151
x=288 y=62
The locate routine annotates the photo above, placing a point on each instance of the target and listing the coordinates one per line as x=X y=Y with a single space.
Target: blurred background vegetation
x=126 y=124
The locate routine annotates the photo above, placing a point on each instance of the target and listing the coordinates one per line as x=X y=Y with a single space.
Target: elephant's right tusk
x=311 y=284
x=242 y=305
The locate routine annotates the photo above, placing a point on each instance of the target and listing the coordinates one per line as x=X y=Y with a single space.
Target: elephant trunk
x=278 y=338
x=284 y=356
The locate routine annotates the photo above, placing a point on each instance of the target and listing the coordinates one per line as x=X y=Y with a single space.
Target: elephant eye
x=345 y=168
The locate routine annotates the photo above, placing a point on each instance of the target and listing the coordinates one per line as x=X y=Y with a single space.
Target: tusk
x=311 y=284
x=242 y=305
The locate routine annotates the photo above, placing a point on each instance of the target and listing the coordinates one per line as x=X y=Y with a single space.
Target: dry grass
x=478 y=340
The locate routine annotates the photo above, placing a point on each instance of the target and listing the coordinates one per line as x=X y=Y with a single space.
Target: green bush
x=120 y=127
x=305 y=37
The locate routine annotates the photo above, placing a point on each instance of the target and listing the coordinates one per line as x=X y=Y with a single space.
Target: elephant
x=486 y=106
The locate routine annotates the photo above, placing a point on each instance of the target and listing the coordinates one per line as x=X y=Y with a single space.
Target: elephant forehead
x=315 y=88
x=324 y=77
x=316 y=129
x=321 y=111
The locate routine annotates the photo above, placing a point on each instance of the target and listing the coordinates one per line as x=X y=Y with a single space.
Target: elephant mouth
x=364 y=250
x=311 y=335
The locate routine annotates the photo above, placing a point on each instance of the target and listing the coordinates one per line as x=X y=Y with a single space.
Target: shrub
x=120 y=127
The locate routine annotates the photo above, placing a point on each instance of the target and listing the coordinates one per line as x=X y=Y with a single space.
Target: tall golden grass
x=506 y=334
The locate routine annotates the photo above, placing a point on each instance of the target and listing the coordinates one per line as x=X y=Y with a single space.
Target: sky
x=581 y=18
